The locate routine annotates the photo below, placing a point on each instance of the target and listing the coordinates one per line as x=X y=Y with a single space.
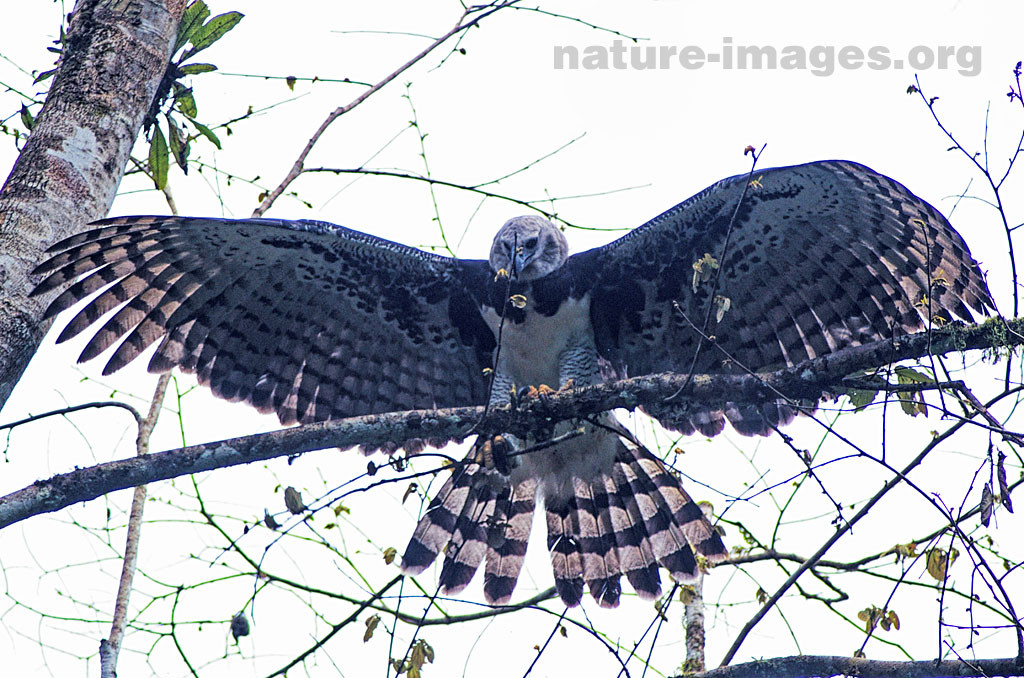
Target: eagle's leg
x=497 y=453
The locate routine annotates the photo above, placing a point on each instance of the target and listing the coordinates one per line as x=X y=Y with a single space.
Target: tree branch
x=807 y=665
x=464 y=23
x=809 y=380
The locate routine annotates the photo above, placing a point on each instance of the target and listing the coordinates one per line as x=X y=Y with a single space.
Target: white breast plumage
x=530 y=350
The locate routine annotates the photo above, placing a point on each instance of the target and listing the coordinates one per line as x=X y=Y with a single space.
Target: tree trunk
x=67 y=174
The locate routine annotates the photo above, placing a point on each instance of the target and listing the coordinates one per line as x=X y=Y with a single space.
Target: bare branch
x=808 y=380
x=899 y=476
x=109 y=651
x=464 y=23
x=809 y=665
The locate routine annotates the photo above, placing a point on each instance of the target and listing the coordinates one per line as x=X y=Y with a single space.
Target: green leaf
x=905 y=375
x=860 y=397
x=722 y=306
x=704 y=270
x=191 y=21
x=371 y=625
x=293 y=501
x=187 y=104
x=212 y=31
x=185 y=101
x=206 y=132
x=26 y=118
x=195 y=69
x=174 y=141
x=912 y=403
x=269 y=520
x=178 y=146
x=158 y=158
x=44 y=75
x=1004 y=487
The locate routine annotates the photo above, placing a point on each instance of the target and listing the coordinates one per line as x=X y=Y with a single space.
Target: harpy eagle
x=314 y=321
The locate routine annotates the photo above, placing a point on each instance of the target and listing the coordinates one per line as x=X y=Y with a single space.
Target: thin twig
x=481 y=11
x=335 y=629
x=108 y=665
x=899 y=477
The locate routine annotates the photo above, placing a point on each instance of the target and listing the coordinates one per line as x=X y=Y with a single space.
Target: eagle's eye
x=531 y=243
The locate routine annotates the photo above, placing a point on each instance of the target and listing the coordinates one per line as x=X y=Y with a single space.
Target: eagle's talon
x=493 y=454
x=544 y=393
x=527 y=392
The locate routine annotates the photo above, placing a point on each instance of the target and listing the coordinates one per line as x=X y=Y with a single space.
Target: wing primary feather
x=307 y=318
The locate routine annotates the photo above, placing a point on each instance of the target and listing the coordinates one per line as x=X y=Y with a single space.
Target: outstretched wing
x=818 y=257
x=303 y=318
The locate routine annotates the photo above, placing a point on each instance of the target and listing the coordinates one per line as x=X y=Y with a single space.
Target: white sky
x=666 y=134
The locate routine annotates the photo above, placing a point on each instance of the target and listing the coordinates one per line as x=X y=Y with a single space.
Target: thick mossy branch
x=808 y=381
x=807 y=665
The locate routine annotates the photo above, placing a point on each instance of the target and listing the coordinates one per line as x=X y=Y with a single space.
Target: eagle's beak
x=520 y=260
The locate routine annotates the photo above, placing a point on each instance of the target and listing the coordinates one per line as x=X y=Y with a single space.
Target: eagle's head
x=528 y=248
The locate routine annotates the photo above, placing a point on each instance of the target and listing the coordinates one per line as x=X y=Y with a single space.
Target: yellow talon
x=545 y=390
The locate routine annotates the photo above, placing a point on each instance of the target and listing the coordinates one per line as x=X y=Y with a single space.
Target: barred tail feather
x=437 y=527
x=640 y=565
x=679 y=527
x=563 y=542
x=627 y=521
x=668 y=543
x=475 y=515
x=507 y=539
x=601 y=568
x=468 y=545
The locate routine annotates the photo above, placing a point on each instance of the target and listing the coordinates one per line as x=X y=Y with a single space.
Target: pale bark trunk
x=67 y=174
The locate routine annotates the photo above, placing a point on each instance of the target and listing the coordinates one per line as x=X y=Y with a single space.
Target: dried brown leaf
x=371 y=625
x=269 y=520
x=939 y=562
x=704 y=270
x=988 y=502
x=293 y=501
x=1004 y=487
